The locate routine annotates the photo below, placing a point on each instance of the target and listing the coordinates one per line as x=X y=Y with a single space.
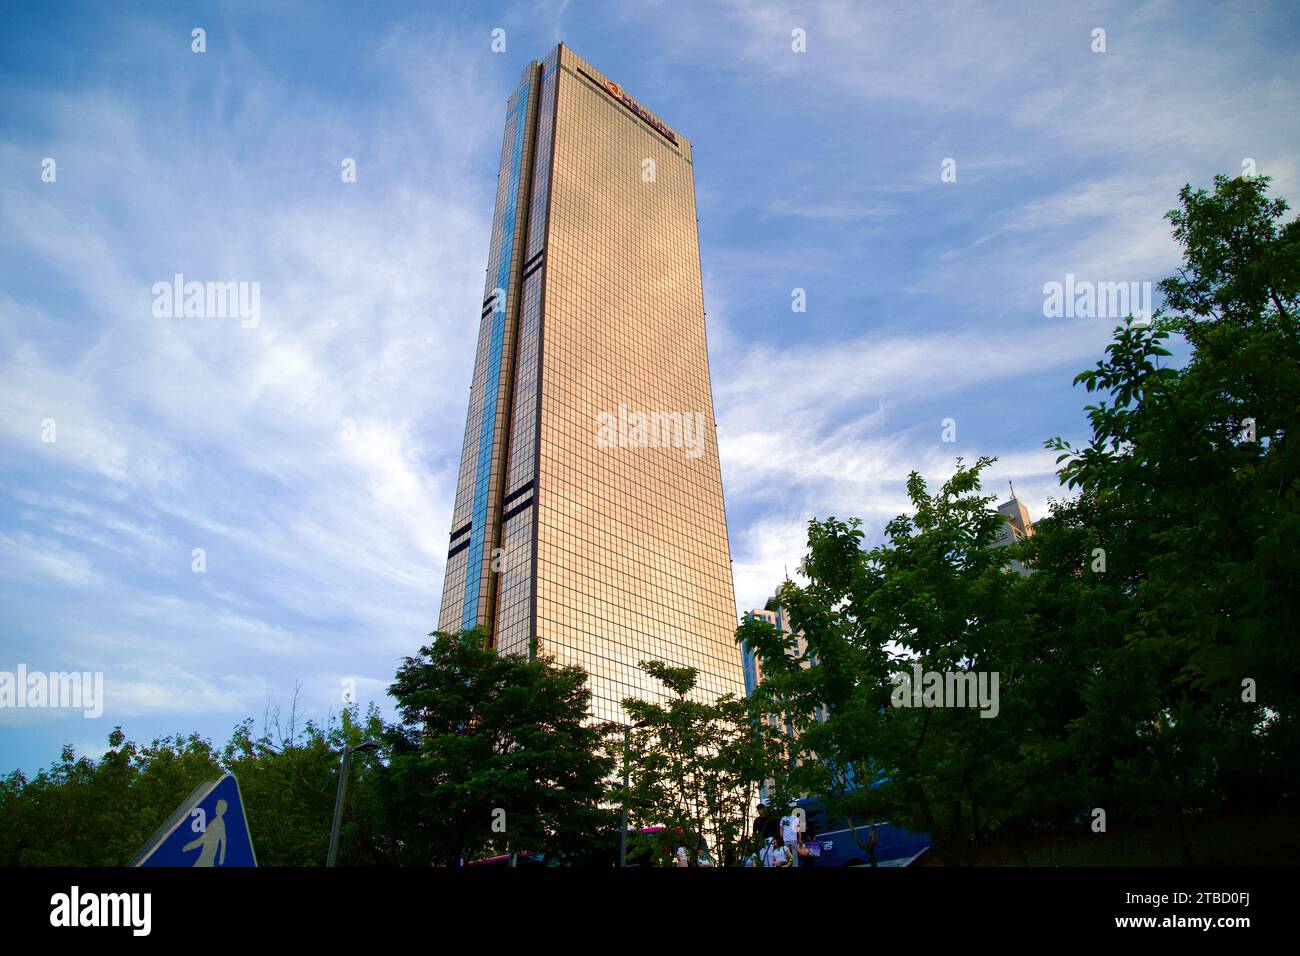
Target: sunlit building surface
x=589 y=508
x=1017 y=527
x=776 y=615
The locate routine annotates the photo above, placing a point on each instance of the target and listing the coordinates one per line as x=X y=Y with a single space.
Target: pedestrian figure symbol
x=212 y=838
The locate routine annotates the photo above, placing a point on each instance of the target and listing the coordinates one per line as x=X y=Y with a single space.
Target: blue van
x=894 y=846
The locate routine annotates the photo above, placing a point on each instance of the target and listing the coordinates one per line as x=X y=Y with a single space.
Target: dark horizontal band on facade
x=526 y=486
x=533 y=268
x=534 y=258
x=463 y=529
x=458 y=549
x=515 y=510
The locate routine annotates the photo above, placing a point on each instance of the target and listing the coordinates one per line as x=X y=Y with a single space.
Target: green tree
x=1149 y=664
x=937 y=595
x=288 y=777
x=1188 y=485
x=493 y=754
x=694 y=769
x=87 y=812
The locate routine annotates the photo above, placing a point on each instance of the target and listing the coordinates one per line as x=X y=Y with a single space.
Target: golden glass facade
x=589 y=509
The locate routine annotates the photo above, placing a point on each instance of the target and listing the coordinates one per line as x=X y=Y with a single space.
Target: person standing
x=775 y=853
x=766 y=825
x=790 y=826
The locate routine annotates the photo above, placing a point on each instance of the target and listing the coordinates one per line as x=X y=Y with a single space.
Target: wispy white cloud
x=24 y=556
x=803 y=388
x=802 y=439
x=837 y=211
x=312 y=458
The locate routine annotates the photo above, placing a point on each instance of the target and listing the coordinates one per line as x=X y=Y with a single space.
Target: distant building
x=775 y=615
x=1017 y=527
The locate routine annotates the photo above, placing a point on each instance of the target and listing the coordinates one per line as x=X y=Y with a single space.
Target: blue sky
x=314 y=457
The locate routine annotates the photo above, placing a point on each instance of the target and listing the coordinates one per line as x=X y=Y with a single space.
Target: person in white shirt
x=791 y=824
x=775 y=854
x=702 y=858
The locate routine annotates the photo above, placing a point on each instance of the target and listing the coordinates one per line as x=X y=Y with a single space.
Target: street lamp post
x=364 y=747
x=627 y=741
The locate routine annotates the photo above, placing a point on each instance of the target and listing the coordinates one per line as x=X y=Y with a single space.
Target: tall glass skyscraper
x=589 y=509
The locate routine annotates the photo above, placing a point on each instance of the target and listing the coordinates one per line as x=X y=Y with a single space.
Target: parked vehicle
x=891 y=845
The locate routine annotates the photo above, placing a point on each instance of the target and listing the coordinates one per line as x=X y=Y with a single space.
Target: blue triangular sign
x=208 y=829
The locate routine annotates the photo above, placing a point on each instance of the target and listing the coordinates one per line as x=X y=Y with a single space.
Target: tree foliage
x=1149 y=664
x=490 y=739
x=694 y=767
x=934 y=595
x=87 y=812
